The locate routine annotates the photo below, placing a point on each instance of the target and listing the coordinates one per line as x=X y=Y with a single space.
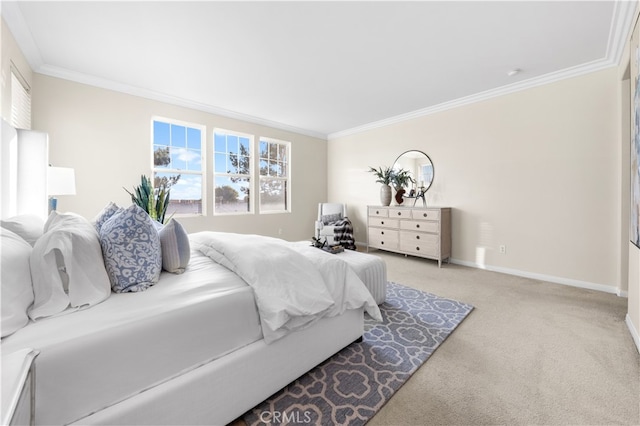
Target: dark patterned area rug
x=351 y=386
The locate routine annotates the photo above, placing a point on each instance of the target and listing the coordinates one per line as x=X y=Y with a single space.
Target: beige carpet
x=531 y=352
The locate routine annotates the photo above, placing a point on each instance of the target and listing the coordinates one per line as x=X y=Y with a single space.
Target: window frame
x=203 y=163
x=251 y=175
x=286 y=179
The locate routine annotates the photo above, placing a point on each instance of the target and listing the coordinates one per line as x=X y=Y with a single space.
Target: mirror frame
x=433 y=174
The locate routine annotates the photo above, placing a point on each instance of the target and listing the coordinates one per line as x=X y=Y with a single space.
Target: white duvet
x=294 y=286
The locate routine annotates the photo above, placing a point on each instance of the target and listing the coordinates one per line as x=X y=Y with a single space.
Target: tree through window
x=177 y=163
x=233 y=163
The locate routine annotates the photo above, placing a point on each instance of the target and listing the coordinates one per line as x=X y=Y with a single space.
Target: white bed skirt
x=222 y=390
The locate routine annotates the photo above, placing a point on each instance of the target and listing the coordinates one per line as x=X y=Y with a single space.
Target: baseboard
x=533 y=275
x=633 y=331
x=543 y=277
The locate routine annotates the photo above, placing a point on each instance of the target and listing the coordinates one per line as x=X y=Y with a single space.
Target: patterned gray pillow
x=328 y=219
x=131 y=250
x=106 y=213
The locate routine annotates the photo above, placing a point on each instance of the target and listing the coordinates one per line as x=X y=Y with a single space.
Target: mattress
x=97 y=357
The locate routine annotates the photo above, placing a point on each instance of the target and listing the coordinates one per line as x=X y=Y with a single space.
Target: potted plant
x=400 y=179
x=152 y=200
x=383 y=176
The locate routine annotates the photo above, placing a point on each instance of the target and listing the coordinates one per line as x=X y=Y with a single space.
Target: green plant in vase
x=152 y=200
x=383 y=176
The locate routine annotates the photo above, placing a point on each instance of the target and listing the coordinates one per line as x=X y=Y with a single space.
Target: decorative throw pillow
x=29 y=227
x=67 y=267
x=17 y=290
x=131 y=250
x=106 y=213
x=176 y=251
x=328 y=219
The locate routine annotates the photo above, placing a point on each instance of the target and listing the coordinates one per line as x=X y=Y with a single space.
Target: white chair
x=328 y=214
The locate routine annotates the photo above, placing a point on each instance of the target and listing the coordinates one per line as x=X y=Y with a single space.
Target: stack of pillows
x=68 y=263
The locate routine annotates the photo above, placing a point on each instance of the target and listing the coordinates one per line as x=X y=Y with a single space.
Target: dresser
x=423 y=232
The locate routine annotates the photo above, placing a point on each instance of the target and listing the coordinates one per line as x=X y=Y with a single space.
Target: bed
x=197 y=347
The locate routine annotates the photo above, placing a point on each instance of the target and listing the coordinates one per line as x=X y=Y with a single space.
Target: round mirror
x=419 y=166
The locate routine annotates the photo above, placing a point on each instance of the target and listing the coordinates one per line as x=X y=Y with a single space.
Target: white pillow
x=29 y=227
x=17 y=290
x=131 y=250
x=67 y=267
x=174 y=242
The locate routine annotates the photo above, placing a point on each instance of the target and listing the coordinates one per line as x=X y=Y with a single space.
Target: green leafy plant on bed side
x=152 y=200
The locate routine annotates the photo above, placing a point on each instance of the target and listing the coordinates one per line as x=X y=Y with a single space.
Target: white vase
x=385 y=195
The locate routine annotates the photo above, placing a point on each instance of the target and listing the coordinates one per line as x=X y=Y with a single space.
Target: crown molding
x=623 y=13
x=478 y=97
x=14 y=20
x=94 y=81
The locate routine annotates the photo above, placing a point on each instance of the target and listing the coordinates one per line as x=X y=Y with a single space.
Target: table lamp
x=60 y=181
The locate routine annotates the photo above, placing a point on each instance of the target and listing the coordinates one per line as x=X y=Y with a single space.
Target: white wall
x=105 y=136
x=537 y=171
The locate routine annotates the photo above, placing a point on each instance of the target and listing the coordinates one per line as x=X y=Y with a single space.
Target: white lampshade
x=61 y=181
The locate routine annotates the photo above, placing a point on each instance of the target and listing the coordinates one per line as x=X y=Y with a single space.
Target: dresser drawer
x=400 y=213
x=420 y=225
x=419 y=243
x=427 y=214
x=383 y=238
x=383 y=222
x=378 y=212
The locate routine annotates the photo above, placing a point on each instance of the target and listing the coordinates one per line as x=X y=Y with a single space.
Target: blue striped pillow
x=176 y=251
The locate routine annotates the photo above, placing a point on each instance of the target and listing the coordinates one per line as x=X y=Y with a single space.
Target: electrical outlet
x=503 y=249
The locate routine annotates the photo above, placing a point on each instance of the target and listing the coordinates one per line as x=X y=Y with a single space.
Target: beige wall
x=10 y=52
x=105 y=136
x=537 y=170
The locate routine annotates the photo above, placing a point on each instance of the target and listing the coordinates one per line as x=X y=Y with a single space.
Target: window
x=274 y=176
x=20 y=100
x=233 y=163
x=178 y=152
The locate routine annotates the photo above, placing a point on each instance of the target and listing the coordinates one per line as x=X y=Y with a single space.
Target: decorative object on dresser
x=419 y=169
x=401 y=179
x=384 y=176
x=422 y=232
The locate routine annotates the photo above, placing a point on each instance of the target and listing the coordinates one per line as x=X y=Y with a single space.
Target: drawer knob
x=418 y=248
x=381 y=232
x=382 y=222
x=417 y=237
x=424 y=215
x=399 y=213
x=382 y=242
x=418 y=225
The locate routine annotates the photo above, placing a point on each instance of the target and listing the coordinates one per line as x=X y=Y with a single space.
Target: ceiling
x=324 y=69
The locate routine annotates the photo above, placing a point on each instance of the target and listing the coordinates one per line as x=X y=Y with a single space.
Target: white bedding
x=132 y=341
x=294 y=286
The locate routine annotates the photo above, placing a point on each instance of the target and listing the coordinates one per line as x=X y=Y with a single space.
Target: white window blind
x=20 y=101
